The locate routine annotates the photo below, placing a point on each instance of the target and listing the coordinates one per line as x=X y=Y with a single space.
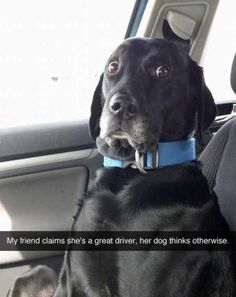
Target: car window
x=51 y=56
x=220 y=50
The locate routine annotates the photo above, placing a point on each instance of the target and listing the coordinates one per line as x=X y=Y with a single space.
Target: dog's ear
x=96 y=110
x=205 y=105
x=170 y=35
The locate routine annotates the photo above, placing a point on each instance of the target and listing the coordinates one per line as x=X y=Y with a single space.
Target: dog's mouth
x=129 y=147
x=123 y=138
x=126 y=141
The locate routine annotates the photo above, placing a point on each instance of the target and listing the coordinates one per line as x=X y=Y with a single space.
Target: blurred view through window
x=51 y=55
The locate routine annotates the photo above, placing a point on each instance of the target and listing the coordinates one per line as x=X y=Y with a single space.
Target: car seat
x=219 y=163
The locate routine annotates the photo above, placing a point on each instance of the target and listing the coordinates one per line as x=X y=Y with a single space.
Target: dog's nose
x=123 y=106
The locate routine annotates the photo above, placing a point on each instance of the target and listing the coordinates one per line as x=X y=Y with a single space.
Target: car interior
x=46 y=167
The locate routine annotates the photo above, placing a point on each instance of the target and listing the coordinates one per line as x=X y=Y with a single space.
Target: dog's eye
x=113 y=67
x=162 y=71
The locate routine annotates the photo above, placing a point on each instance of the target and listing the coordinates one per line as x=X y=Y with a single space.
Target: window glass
x=51 y=55
x=220 y=50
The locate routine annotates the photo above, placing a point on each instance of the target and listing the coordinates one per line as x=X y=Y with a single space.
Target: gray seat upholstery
x=219 y=164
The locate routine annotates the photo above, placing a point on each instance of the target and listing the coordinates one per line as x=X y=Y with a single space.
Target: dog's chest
x=167 y=197
x=171 y=199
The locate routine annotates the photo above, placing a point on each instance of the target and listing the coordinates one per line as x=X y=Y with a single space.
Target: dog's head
x=150 y=91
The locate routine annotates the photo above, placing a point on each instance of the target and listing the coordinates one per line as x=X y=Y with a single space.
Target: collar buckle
x=146 y=161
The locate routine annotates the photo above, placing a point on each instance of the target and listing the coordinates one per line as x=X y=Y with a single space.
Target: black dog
x=151 y=93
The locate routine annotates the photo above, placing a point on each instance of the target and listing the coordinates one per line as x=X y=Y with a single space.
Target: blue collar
x=167 y=153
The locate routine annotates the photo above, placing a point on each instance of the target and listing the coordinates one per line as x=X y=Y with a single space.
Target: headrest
x=233 y=75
